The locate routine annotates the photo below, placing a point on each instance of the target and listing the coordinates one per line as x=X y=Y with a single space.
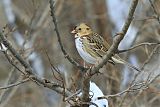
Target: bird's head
x=82 y=29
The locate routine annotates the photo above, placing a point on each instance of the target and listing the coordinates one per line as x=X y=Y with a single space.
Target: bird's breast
x=81 y=50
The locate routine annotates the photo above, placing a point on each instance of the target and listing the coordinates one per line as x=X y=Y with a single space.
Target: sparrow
x=92 y=47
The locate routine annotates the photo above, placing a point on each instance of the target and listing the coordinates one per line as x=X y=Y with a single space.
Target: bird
x=92 y=47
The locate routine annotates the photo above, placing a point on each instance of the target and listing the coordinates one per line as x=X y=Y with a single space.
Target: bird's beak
x=73 y=31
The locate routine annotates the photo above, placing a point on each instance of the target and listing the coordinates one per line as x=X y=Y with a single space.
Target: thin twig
x=150 y=56
x=157 y=16
x=7 y=94
x=134 y=87
x=73 y=95
x=145 y=63
x=46 y=83
x=53 y=68
x=112 y=50
x=15 y=84
x=13 y=63
x=59 y=37
x=117 y=39
x=157 y=76
x=136 y=46
x=15 y=54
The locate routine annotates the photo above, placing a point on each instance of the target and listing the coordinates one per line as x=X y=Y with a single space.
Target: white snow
x=2 y=47
x=96 y=92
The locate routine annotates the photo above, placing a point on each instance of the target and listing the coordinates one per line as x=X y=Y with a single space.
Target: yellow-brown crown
x=82 y=29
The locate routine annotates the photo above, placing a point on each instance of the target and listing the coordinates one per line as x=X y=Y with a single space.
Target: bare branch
x=15 y=84
x=109 y=54
x=6 y=94
x=150 y=56
x=133 y=88
x=13 y=63
x=15 y=54
x=86 y=88
x=59 y=38
x=53 y=68
x=46 y=83
x=73 y=95
x=157 y=16
x=136 y=46
x=117 y=39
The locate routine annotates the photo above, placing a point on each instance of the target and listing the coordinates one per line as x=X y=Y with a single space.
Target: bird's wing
x=95 y=44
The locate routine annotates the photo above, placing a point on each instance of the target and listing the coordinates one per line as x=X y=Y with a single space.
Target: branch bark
x=52 y=2
x=157 y=16
x=138 y=45
x=15 y=84
x=112 y=50
x=116 y=41
x=29 y=71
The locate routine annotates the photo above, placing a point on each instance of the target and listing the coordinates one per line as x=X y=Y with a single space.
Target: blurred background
x=29 y=27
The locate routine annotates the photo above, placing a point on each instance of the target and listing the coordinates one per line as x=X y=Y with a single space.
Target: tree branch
x=112 y=50
x=157 y=16
x=149 y=57
x=29 y=71
x=133 y=88
x=59 y=38
x=15 y=84
x=109 y=54
x=85 y=89
x=117 y=39
x=136 y=46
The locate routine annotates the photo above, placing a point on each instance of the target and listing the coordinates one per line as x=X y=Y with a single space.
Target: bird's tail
x=117 y=59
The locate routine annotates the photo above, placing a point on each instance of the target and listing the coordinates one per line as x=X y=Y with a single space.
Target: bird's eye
x=79 y=29
x=87 y=28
